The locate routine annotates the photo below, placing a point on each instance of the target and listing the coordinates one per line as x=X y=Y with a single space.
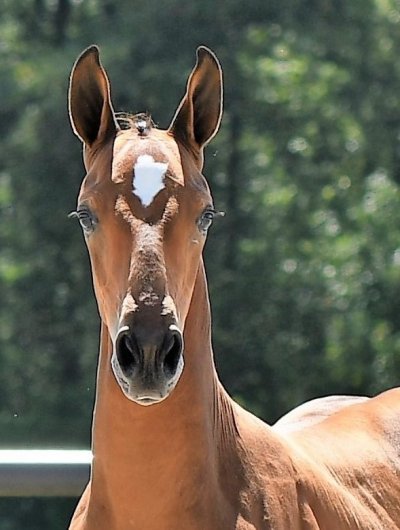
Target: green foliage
x=304 y=270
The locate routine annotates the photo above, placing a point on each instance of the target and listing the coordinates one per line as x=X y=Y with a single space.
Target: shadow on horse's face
x=145 y=209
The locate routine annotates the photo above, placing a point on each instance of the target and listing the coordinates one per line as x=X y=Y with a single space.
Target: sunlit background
x=304 y=269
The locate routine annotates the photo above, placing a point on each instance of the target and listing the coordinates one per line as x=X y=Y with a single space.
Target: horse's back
x=314 y=411
x=347 y=427
x=350 y=459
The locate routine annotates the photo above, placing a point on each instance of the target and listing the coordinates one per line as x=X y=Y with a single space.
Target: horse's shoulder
x=79 y=517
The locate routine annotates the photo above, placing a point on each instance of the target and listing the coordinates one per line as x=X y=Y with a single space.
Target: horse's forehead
x=129 y=150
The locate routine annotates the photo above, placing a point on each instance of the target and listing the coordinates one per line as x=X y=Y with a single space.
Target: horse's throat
x=162 y=461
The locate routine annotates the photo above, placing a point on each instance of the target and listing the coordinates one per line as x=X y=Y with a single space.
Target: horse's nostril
x=172 y=352
x=142 y=358
x=127 y=353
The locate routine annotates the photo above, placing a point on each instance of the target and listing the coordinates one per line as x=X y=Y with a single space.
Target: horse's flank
x=171 y=449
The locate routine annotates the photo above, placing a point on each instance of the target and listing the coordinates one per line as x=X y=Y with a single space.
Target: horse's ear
x=199 y=114
x=90 y=109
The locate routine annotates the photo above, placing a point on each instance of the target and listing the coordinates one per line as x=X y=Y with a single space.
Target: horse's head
x=145 y=207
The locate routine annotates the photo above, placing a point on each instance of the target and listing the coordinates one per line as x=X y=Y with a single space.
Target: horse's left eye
x=86 y=220
x=206 y=220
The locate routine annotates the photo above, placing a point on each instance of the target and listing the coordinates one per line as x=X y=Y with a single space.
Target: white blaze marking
x=148 y=178
x=168 y=306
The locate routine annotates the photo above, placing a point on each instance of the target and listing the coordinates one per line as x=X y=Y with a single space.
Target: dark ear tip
x=90 y=52
x=204 y=53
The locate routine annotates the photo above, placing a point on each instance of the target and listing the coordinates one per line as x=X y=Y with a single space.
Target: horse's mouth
x=148 y=400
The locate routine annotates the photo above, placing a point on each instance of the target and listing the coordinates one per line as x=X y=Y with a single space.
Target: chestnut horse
x=171 y=450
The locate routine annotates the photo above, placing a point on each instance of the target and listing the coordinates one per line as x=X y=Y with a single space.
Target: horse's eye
x=206 y=220
x=86 y=219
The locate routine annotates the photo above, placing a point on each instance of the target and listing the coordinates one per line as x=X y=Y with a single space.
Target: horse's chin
x=146 y=401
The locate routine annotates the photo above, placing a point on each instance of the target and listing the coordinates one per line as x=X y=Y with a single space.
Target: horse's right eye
x=206 y=220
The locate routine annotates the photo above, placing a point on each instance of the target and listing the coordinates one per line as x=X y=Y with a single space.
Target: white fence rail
x=43 y=473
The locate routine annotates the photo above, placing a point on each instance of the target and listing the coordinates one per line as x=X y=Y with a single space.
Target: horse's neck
x=149 y=450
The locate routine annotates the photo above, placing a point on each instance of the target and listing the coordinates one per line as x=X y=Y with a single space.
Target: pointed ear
x=90 y=108
x=199 y=114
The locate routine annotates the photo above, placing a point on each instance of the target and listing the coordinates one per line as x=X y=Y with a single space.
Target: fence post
x=43 y=473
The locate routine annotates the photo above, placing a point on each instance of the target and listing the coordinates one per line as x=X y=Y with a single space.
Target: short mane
x=141 y=122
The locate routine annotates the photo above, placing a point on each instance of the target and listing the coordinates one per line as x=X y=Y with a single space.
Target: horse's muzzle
x=147 y=363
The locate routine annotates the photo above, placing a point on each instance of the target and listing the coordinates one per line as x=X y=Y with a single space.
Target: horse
x=171 y=449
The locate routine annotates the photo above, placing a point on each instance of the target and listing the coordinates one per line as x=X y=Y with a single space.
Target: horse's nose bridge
x=148 y=279
x=147 y=310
